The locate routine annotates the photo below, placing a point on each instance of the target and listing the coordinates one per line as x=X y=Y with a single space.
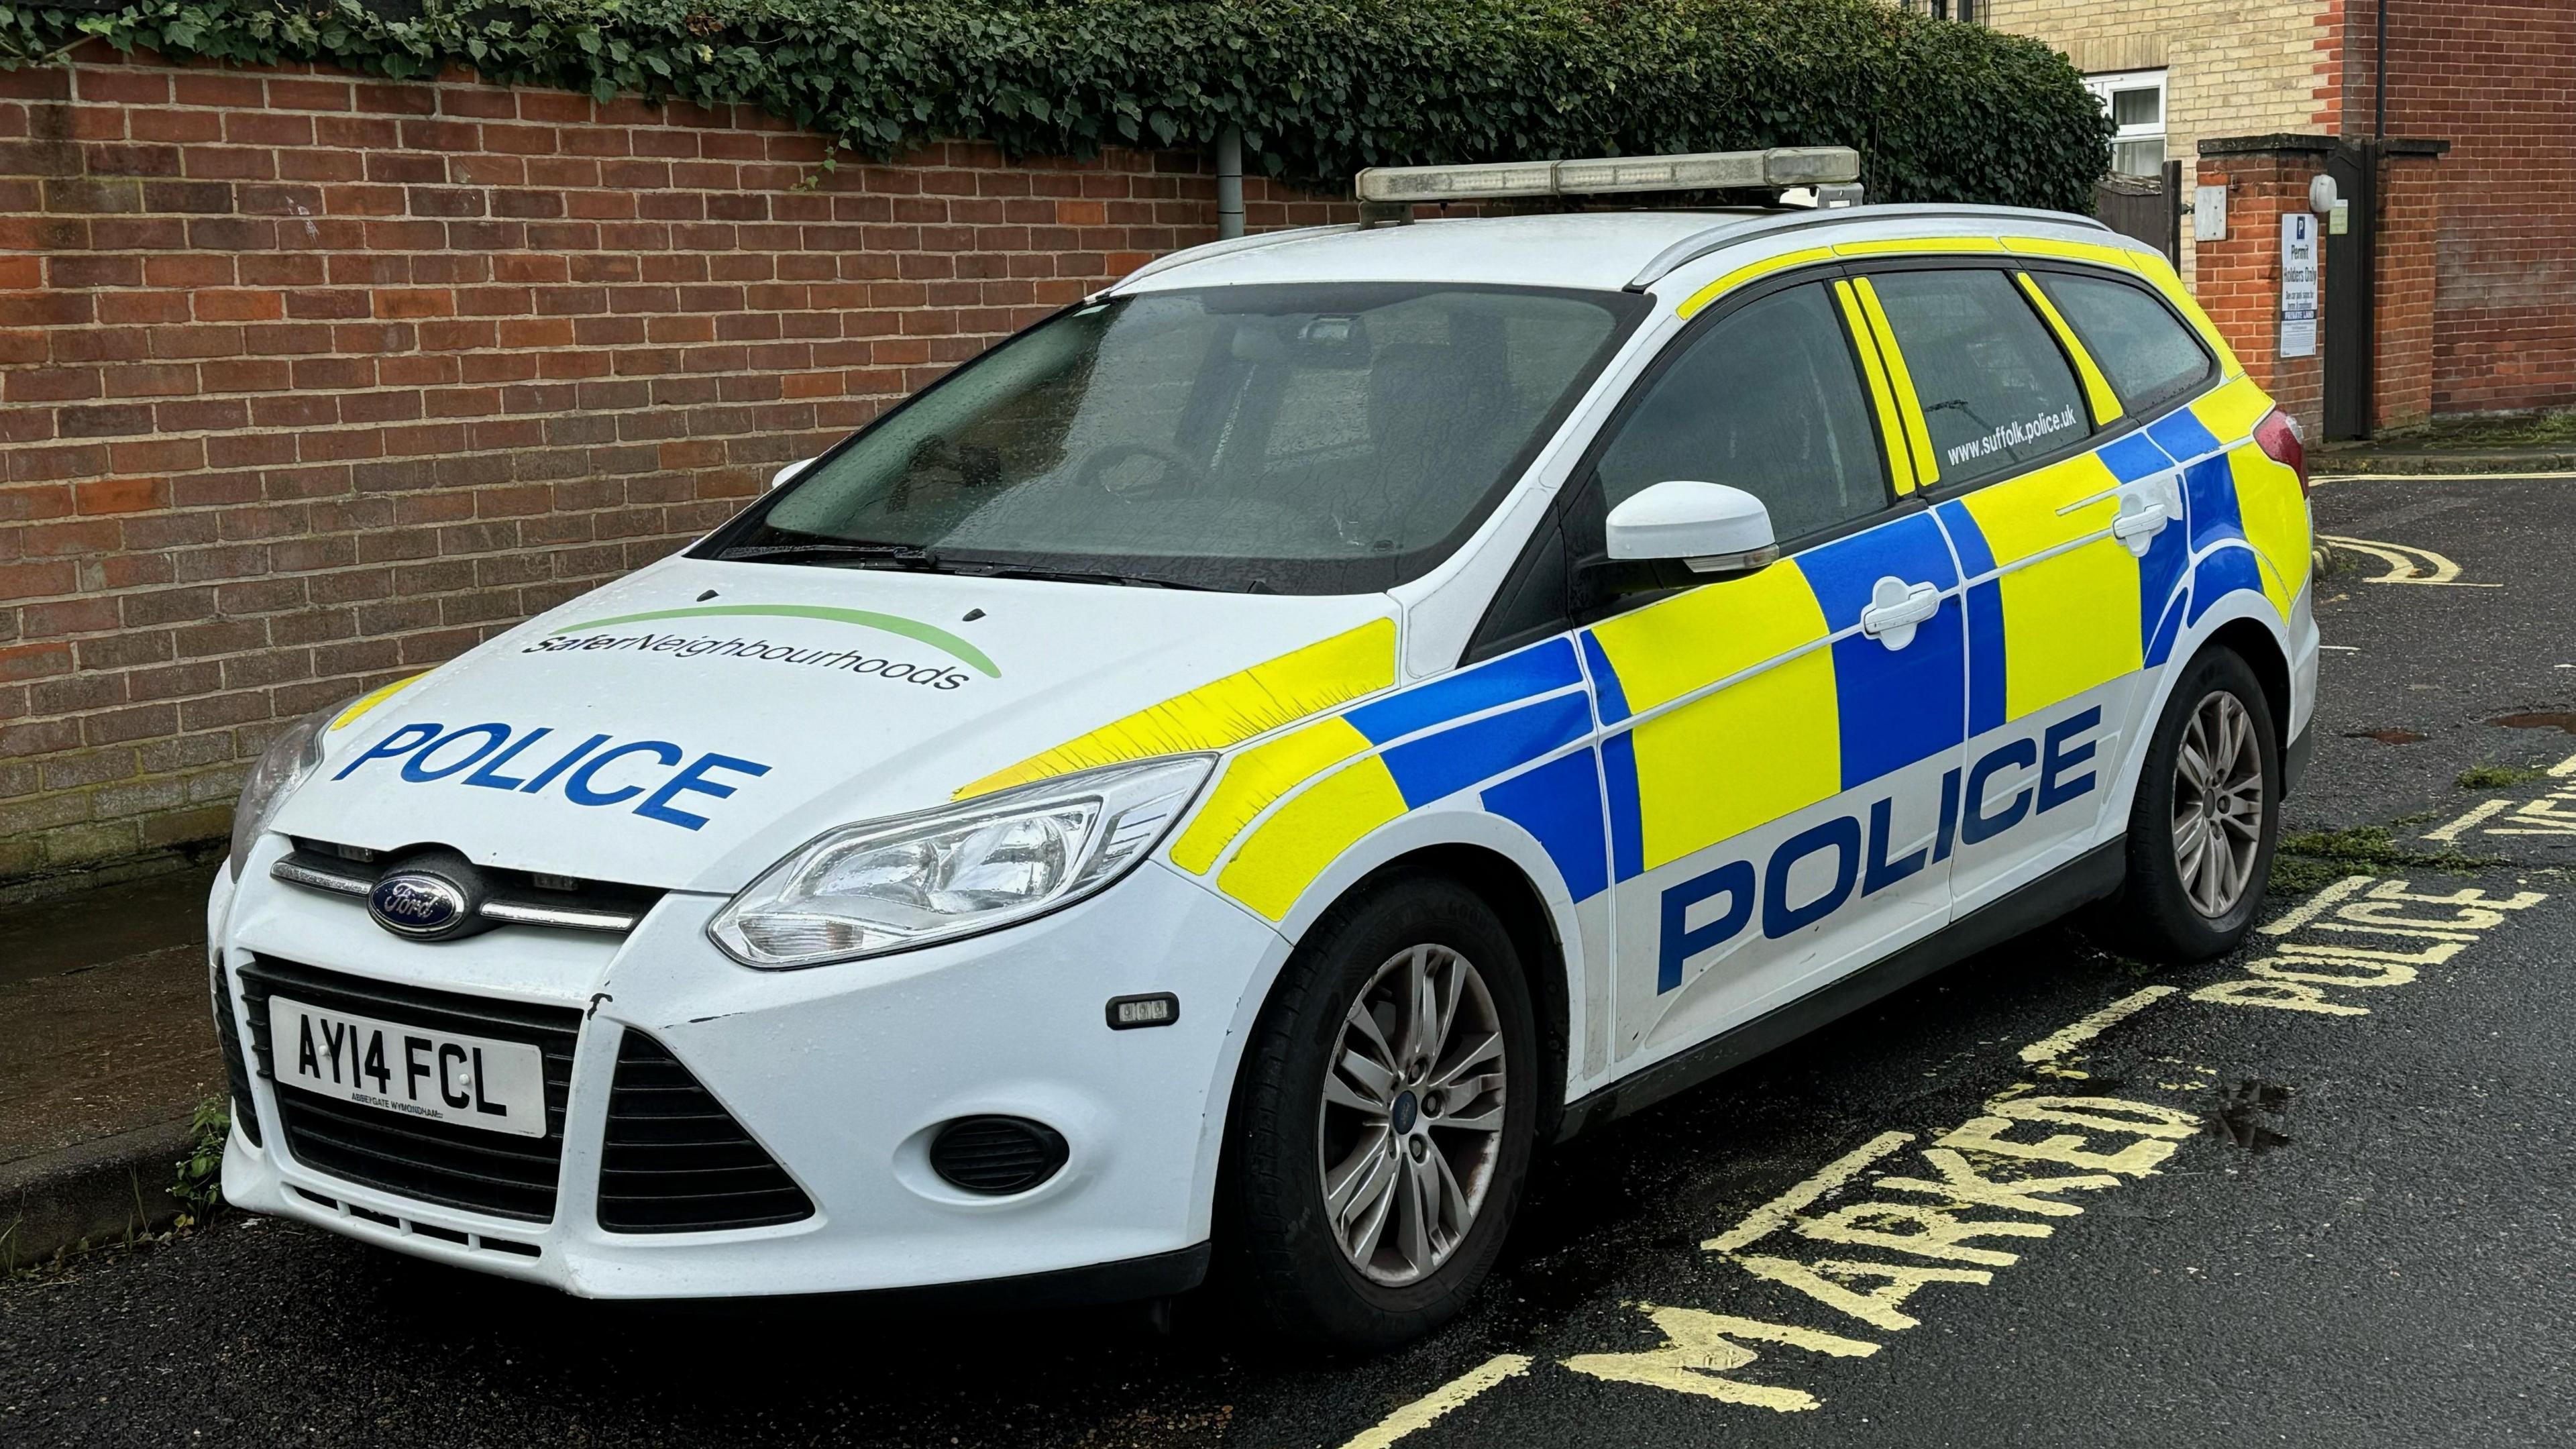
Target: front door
x=1775 y=746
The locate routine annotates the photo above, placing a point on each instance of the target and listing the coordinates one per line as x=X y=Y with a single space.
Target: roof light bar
x=1707 y=171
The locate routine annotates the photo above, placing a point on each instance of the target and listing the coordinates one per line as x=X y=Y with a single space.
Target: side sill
x=2089 y=877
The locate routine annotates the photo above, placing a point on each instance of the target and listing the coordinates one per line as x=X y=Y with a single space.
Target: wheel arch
x=2261 y=650
x=1516 y=901
x=2244 y=623
x=1505 y=867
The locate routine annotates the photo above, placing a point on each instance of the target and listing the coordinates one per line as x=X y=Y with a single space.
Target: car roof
x=1605 y=251
x=1599 y=250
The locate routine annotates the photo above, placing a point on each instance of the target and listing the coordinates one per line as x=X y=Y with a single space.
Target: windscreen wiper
x=1073 y=576
x=897 y=555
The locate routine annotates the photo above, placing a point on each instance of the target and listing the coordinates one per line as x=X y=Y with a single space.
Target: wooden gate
x=2145 y=208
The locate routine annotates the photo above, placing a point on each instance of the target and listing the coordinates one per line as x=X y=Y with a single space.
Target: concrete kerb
x=2365 y=463
x=113 y=1189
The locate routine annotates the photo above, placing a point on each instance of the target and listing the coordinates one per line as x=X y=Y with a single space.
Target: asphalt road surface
x=2318 y=1194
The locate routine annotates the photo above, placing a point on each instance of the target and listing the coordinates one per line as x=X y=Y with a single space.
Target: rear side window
x=1766 y=400
x=1996 y=391
x=2146 y=352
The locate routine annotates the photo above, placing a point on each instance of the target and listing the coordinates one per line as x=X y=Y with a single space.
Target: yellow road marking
x=1422 y=1411
x=2067 y=1038
x=2563 y=769
x=1703 y=1346
x=2017 y=1156
x=2314 y=906
x=2300 y=977
x=2407 y=564
x=2450 y=834
x=1776 y=1214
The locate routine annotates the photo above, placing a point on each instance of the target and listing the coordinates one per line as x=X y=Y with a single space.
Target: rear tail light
x=2278 y=436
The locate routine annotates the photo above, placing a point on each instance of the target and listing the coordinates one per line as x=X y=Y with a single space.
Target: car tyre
x=2206 y=818
x=1341 y=1223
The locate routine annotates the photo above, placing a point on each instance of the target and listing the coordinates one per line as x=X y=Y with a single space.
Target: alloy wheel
x=2217 y=804
x=1411 y=1123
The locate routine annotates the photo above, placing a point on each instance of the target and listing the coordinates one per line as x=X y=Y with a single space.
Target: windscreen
x=1288 y=439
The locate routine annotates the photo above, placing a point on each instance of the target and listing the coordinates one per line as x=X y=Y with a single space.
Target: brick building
x=309 y=382
x=2488 y=220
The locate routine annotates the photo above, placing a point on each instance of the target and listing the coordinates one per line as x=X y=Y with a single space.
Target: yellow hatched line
x=2097 y=388
x=1926 y=472
x=1900 y=467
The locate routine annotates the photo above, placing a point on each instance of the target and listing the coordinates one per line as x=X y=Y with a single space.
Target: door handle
x=1895 y=607
x=2140 y=519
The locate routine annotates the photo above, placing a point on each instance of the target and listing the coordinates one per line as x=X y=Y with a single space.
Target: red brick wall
x=2238 y=281
x=2403 y=283
x=308 y=382
x=2498 y=79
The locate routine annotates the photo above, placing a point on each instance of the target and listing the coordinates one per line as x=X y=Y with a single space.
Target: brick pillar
x=2238 y=280
x=2410 y=224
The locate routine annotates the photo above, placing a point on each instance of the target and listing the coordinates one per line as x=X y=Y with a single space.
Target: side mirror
x=1713 y=530
x=787 y=474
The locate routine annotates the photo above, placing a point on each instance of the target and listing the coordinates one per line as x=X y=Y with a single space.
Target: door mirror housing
x=788 y=474
x=1711 y=530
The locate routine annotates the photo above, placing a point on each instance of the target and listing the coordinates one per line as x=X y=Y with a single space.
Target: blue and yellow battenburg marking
x=1223 y=712
x=1609 y=733
x=1290 y=806
x=2042 y=573
x=1770 y=674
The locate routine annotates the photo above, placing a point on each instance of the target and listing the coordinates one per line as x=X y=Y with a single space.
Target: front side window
x=1318 y=438
x=1995 y=390
x=1767 y=400
x=2145 y=351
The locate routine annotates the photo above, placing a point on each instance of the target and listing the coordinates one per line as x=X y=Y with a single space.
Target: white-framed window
x=2135 y=100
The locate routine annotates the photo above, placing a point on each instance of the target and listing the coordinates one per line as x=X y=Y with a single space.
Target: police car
x=1218 y=782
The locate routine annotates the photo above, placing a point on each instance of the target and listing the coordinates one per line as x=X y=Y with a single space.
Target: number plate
x=472 y=1081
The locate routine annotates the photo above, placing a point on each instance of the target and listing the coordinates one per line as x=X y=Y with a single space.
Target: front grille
x=236 y=1075
x=436 y=1162
x=510 y=897
x=676 y=1161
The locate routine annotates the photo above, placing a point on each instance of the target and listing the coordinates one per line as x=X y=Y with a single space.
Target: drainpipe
x=2379 y=87
x=1229 y=182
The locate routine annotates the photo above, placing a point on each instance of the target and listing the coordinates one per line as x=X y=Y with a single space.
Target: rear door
x=2068 y=523
x=1774 y=746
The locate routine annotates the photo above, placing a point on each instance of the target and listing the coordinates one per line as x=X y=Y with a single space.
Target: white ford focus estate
x=1222 y=779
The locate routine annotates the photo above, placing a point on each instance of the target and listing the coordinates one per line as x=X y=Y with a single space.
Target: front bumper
x=842 y=1073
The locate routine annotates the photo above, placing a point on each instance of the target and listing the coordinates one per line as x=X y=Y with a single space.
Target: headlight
x=289 y=758
x=889 y=885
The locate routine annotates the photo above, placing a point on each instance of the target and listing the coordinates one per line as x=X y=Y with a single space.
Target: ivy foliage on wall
x=1940 y=111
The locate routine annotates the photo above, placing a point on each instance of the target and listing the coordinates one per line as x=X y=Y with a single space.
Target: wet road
x=2309 y=1195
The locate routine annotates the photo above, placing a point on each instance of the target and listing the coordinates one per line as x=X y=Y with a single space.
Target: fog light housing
x=997 y=1156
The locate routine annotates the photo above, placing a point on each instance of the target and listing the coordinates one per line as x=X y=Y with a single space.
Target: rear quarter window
x=2147 y=353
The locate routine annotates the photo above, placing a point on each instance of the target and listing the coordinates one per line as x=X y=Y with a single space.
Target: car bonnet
x=686 y=727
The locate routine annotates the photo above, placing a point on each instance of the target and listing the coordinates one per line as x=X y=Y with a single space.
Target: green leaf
x=1938 y=110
